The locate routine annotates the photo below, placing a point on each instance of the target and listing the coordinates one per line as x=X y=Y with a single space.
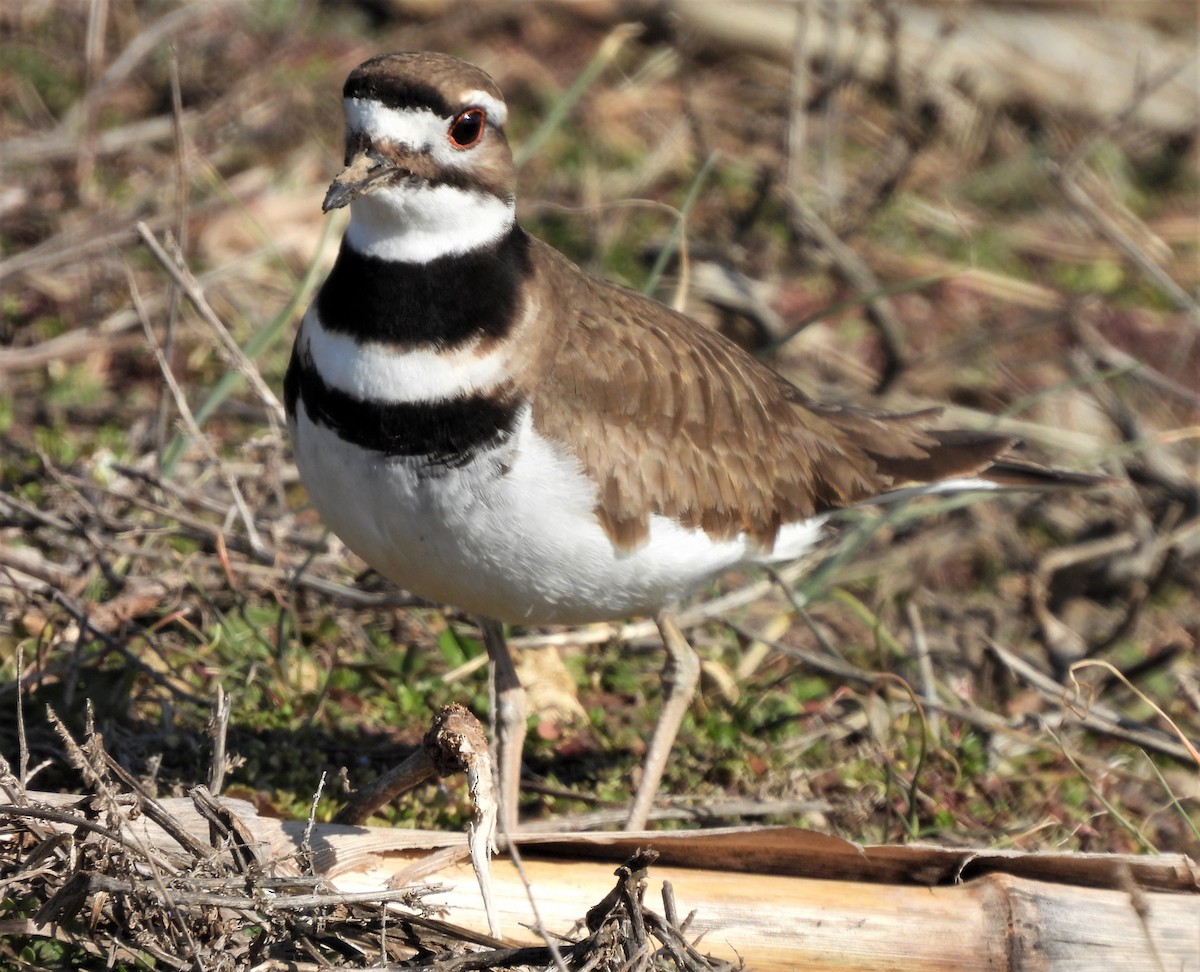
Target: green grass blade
x=607 y=52
x=672 y=244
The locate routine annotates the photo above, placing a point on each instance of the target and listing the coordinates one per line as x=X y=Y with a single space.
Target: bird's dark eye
x=467 y=129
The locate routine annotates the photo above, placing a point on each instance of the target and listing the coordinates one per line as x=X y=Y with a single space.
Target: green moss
x=57 y=444
x=1100 y=276
x=1012 y=185
x=75 y=386
x=57 y=88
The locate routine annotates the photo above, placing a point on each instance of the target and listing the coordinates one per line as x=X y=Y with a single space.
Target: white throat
x=417 y=223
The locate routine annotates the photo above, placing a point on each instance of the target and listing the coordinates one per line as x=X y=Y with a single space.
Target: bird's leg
x=679 y=677
x=510 y=712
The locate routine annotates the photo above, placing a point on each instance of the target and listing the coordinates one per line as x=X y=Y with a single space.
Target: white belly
x=520 y=544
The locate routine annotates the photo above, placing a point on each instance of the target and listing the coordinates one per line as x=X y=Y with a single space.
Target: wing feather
x=672 y=419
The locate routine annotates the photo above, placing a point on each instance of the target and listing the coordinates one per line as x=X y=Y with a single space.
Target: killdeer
x=490 y=426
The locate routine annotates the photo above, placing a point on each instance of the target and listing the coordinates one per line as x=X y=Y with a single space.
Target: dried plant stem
x=189 y=421
x=234 y=354
x=219 y=730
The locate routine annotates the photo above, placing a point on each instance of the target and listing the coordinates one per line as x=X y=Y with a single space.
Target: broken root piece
x=455 y=743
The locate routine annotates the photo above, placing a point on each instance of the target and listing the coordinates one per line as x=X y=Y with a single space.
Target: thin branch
x=234 y=354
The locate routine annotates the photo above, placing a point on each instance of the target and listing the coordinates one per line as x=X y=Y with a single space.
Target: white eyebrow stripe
x=414 y=127
x=497 y=111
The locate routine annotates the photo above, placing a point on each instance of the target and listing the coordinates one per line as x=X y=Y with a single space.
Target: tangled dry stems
x=84 y=881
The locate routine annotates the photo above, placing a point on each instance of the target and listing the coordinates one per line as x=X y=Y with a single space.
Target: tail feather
x=1010 y=473
x=964 y=454
x=953 y=453
x=969 y=454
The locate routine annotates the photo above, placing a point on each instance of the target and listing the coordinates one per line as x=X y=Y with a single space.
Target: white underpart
x=415 y=222
x=793 y=542
x=371 y=370
x=796 y=539
x=511 y=535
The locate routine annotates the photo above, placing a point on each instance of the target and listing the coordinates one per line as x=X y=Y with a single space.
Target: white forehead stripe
x=415 y=127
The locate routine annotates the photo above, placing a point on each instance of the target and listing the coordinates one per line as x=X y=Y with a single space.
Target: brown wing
x=671 y=418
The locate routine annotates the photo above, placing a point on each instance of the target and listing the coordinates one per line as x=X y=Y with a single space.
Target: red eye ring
x=466 y=131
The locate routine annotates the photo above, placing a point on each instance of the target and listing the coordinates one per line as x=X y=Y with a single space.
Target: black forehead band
x=398 y=93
